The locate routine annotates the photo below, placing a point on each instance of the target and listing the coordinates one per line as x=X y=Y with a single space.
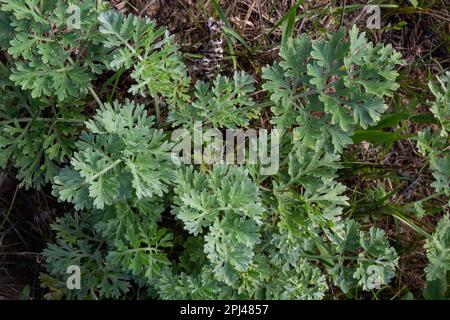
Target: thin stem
x=261 y=105
x=102 y=172
x=41 y=119
x=433 y=196
x=20 y=253
x=100 y=103
x=321 y=257
x=410 y=224
x=10 y=208
x=157 y=109
x=89 y=87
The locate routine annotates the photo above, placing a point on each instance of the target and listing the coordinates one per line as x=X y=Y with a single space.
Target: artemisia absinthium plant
x=197 y=231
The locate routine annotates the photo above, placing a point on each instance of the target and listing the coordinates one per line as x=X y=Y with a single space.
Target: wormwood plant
x=225 y=104
x=143 y=227
x=152 y=54
x=222 y=231
x=53 y=57
x=54 y=60
x=53 y=63
x=36 y=136
x=324 y=89
x=120 y=151
x=436 y=148
x=118 y=177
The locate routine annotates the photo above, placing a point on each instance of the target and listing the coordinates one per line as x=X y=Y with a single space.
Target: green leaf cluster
x=225 y=104
x=120 y=157
x=150 y=51
x=54 y=57
x=324 y=89
x=194 y=232
x=436 y=148
x=36 y=136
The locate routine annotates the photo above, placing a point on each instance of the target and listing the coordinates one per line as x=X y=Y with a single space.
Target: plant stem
x=157 y=109
x=433 y=196
x=102 y=172
x=95 y=96
x=410 y=224
x=41 y=119
x=10 y=208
